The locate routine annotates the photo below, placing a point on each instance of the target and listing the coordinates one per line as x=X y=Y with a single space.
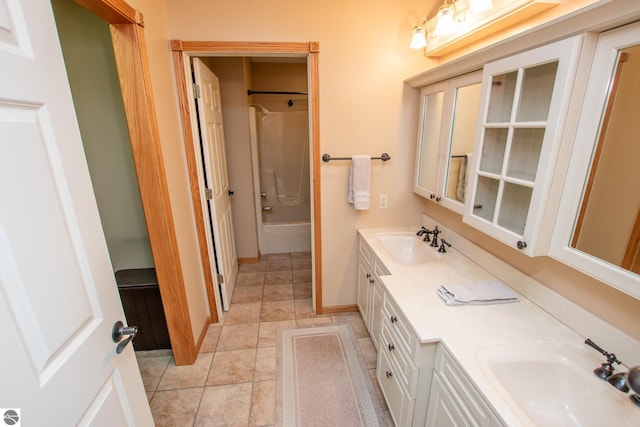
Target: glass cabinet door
x=524 y=99
x=446 y=134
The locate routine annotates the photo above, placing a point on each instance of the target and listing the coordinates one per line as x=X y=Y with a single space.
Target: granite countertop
x=465 y=330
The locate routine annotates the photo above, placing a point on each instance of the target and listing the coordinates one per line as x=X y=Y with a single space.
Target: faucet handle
x=442 y=248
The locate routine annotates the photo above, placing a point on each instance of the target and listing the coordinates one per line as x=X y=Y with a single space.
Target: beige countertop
x=465 y=330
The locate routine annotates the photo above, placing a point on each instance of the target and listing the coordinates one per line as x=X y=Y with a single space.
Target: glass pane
x=431 y=127
x=486 y=196
x=525 y=153
x=537 y=88
x=515 y=207
x=503 y=87
x=493 y=147
x=465 y=118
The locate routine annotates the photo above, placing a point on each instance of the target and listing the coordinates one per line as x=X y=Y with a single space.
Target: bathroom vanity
x=441 y=365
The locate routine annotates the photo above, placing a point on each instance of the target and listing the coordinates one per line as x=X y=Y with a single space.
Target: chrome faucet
x=605 y=371
x=435 y=232
x=424 y=232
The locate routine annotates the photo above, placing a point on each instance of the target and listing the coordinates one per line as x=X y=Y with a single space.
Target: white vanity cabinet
x=523 y=105
x=370 y=293
x=453 y=400
x=404 y=368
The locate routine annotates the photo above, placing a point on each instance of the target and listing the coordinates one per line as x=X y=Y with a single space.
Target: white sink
x=551 y=384
x=407 y=248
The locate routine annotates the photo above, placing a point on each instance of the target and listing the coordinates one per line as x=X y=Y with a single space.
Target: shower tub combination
x=280 y=157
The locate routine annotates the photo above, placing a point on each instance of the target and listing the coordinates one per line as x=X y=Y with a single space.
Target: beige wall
x=166 y=103
x=365 y=108
x=90 y=63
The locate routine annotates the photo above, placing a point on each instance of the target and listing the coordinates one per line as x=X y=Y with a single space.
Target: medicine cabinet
x=523 y=103
x=598 y=225
x=448 y=115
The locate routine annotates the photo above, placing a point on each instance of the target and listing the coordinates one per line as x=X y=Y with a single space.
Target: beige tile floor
x=232 y=382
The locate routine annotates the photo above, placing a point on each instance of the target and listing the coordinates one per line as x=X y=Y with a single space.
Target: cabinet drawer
x=365 y=253
x=404 y=369
x=399 y=327
x=469 y=400
x=399 y=402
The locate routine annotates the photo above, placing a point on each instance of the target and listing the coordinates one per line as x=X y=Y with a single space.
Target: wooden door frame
x=127 y=33
x=182 y=51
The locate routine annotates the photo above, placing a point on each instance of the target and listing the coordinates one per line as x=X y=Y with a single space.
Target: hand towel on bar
x=360 y=181
x=483 y=292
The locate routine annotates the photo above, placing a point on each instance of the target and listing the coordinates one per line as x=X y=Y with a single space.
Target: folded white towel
x=483 y=292
x=360 y=182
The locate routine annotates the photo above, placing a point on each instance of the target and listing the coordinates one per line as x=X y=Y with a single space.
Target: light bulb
x=478 y=6
x=445 y=24
x=418 y=41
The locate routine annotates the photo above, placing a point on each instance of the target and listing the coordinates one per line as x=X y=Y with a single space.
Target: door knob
x=118 y=331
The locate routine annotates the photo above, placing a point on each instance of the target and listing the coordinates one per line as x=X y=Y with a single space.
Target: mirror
x=608 y=223
x=448 y=116
x=598 y=226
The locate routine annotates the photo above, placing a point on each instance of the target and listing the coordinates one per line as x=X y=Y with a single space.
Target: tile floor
x=232 y=382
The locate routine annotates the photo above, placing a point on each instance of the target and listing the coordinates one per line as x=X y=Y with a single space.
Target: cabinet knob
x=432 y=196
x=368 y=275
x=394 y=319
x=438 y=198
x=372 y=281
x=521 y=244
x=391 y=347
x=389 y=374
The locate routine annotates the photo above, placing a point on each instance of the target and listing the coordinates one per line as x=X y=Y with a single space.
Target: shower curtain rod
x=267 y=92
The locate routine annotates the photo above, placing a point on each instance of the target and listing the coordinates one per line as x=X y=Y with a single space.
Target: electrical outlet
x=382 y=201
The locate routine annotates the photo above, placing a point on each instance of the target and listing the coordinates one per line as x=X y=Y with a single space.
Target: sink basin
x=553 y=385
x=407 y=248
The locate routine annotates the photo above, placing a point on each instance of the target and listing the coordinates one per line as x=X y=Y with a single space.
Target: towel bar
x=327 y=158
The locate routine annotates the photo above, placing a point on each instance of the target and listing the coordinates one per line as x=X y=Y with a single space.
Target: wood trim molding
x=341 y=309
x=194 y=184
x=203 y=333
x=249 y=260
x=244 y=47
x=181 y=51
x=113 y=11
x=135 y=82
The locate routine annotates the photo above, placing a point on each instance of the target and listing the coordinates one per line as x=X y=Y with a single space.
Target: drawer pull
x=392 y=347
x=389 y=374
x=394 y=319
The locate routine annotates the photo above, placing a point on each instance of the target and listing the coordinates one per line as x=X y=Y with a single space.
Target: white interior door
x=215 y=166
x=58 y=296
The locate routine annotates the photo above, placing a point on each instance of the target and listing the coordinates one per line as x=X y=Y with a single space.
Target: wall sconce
x=461 y=22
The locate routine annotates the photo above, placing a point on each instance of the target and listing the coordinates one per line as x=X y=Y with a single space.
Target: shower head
x=264 y=110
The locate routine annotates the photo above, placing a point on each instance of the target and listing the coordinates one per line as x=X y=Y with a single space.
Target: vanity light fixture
x=445 y=23
x=419 y=39
x=478 y=6
x=459 y=23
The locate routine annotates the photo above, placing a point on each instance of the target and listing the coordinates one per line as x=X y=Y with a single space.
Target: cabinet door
x=443 y=412
x=365 y=281
x=524 y=101
x=448 y=117
x=376 y=313
x=432 y=123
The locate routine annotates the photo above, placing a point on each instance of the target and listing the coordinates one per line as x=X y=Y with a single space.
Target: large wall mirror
x=598 y=227
x=448 y=117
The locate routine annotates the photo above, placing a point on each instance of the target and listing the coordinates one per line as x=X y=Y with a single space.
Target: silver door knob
x=118 y=331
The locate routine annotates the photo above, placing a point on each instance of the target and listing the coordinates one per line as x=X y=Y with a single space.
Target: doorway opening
x=302 y=53
x=91 y=69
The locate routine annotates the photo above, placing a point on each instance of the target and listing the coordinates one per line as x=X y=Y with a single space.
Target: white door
x=58 y=297
x=215 y=166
